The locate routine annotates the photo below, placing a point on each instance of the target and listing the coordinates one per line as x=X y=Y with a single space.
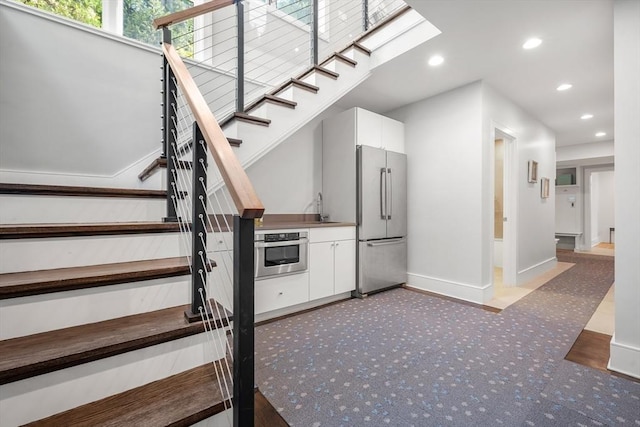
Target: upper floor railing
x=238 y=53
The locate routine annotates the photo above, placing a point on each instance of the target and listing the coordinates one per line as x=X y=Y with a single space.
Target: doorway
x=504 y=224
x=599 y=225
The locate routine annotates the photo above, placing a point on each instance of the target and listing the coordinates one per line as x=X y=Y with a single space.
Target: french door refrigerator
x=382 y=219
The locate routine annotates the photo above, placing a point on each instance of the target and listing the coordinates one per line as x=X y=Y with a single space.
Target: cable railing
x=241 y=50
x=237 y=51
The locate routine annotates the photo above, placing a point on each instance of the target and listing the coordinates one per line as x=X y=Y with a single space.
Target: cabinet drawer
x=279 y=292
x=219 y=241
x=330 y=234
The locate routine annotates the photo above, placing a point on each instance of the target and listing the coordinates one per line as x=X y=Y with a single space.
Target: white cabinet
x=220 y=250
x=341 y=134
x=378 y=131
x=332 y=261
x=281 y=291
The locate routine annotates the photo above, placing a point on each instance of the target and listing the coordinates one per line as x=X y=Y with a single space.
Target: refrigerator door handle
x=383 y=193
x=386 y=242
x=390 y=192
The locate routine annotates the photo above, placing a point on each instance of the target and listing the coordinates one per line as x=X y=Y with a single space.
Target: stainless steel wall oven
x=280 y=253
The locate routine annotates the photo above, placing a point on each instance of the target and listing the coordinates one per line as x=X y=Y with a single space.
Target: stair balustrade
x=238 y=51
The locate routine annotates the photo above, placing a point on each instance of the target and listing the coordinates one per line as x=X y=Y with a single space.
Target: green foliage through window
x=138 y=22
x=138 y=16
x=298 y=9
x=85 y=11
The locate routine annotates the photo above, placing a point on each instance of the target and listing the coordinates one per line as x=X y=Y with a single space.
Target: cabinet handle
x=337 y=244
x=280 y=293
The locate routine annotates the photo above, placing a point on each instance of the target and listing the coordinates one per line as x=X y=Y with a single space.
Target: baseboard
x=535 y=270
x=624 y=359
x=464 y=291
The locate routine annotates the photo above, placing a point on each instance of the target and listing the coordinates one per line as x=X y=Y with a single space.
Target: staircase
x=271 y=118
x=93 y=329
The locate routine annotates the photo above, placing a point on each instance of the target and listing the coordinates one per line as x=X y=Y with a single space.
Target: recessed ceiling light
x=564 y=86
x=436 y=60
x=586 y=116
x=532 y=43
x=601 y=134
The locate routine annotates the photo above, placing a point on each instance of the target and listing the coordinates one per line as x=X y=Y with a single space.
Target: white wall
x=590 y=153
x=73 y=100
x=535 y=221
x=450 y=216
x=625 y=345
x=289 y=178
x=445 y=195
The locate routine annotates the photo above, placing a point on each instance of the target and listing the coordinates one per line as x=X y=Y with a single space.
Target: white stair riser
x=223 y=419
x=65 y=389
x=258 y=140
x=22 y=209
x=46 y=312
x=59 y=252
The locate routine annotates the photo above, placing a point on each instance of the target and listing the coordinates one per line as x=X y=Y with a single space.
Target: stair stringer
x=406 y=32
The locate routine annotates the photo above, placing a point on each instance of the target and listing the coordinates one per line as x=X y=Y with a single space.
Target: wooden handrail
x=192 y=12
x=240 y=187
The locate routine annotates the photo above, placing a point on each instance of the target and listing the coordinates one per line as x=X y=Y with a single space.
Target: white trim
x=587 y=240
x=302 y=306
x=458 y=290
x=79 y=25
x=624 y=358
x=537 y=269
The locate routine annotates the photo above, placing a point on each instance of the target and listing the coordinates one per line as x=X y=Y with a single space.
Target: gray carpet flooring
x=402 y=358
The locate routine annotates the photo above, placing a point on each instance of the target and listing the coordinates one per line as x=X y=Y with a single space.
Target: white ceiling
x=482 y=40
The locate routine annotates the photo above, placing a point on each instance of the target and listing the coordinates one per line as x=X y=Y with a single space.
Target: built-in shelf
x=568 y=186
x=566 y=177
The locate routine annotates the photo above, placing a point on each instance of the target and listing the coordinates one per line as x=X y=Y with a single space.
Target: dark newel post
x=169 y=130
x=240 y=40
x=314 y=33
x=198 y=225
x=243 y=316
x=365 y=15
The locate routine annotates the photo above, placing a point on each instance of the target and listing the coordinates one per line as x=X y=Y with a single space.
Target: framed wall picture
x=532 y=175
x=544 y=188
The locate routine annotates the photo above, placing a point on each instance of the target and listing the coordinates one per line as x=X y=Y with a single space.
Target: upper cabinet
x=377 y=131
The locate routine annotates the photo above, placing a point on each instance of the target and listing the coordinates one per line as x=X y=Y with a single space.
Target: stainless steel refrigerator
x=382 y=219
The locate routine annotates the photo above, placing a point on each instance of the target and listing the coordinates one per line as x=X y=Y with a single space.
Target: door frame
x=510 y=205
x=587 y=171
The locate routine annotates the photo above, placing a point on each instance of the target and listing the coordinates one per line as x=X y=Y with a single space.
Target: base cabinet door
x=321 y=270
x=345 y=266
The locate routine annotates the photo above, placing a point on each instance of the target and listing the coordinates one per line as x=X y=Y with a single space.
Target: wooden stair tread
x=272 y=99
x=161 y=162
x=32 y=355
x=321 y=70
x=244 y=117
x=19 y=284
x=361 y=48
x=180 y=400
x=22 y=231
x=65 y=190
x=340 y=57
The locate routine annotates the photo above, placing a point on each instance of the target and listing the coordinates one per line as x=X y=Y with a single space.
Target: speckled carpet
x=402 y=358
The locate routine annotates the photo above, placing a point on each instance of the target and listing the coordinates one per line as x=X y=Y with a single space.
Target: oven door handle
x=302 y=241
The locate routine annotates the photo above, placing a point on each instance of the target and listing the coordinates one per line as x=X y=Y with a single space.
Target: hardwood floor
x=592 y=349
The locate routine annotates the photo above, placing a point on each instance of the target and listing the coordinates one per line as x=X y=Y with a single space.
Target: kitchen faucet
x=320 y=207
